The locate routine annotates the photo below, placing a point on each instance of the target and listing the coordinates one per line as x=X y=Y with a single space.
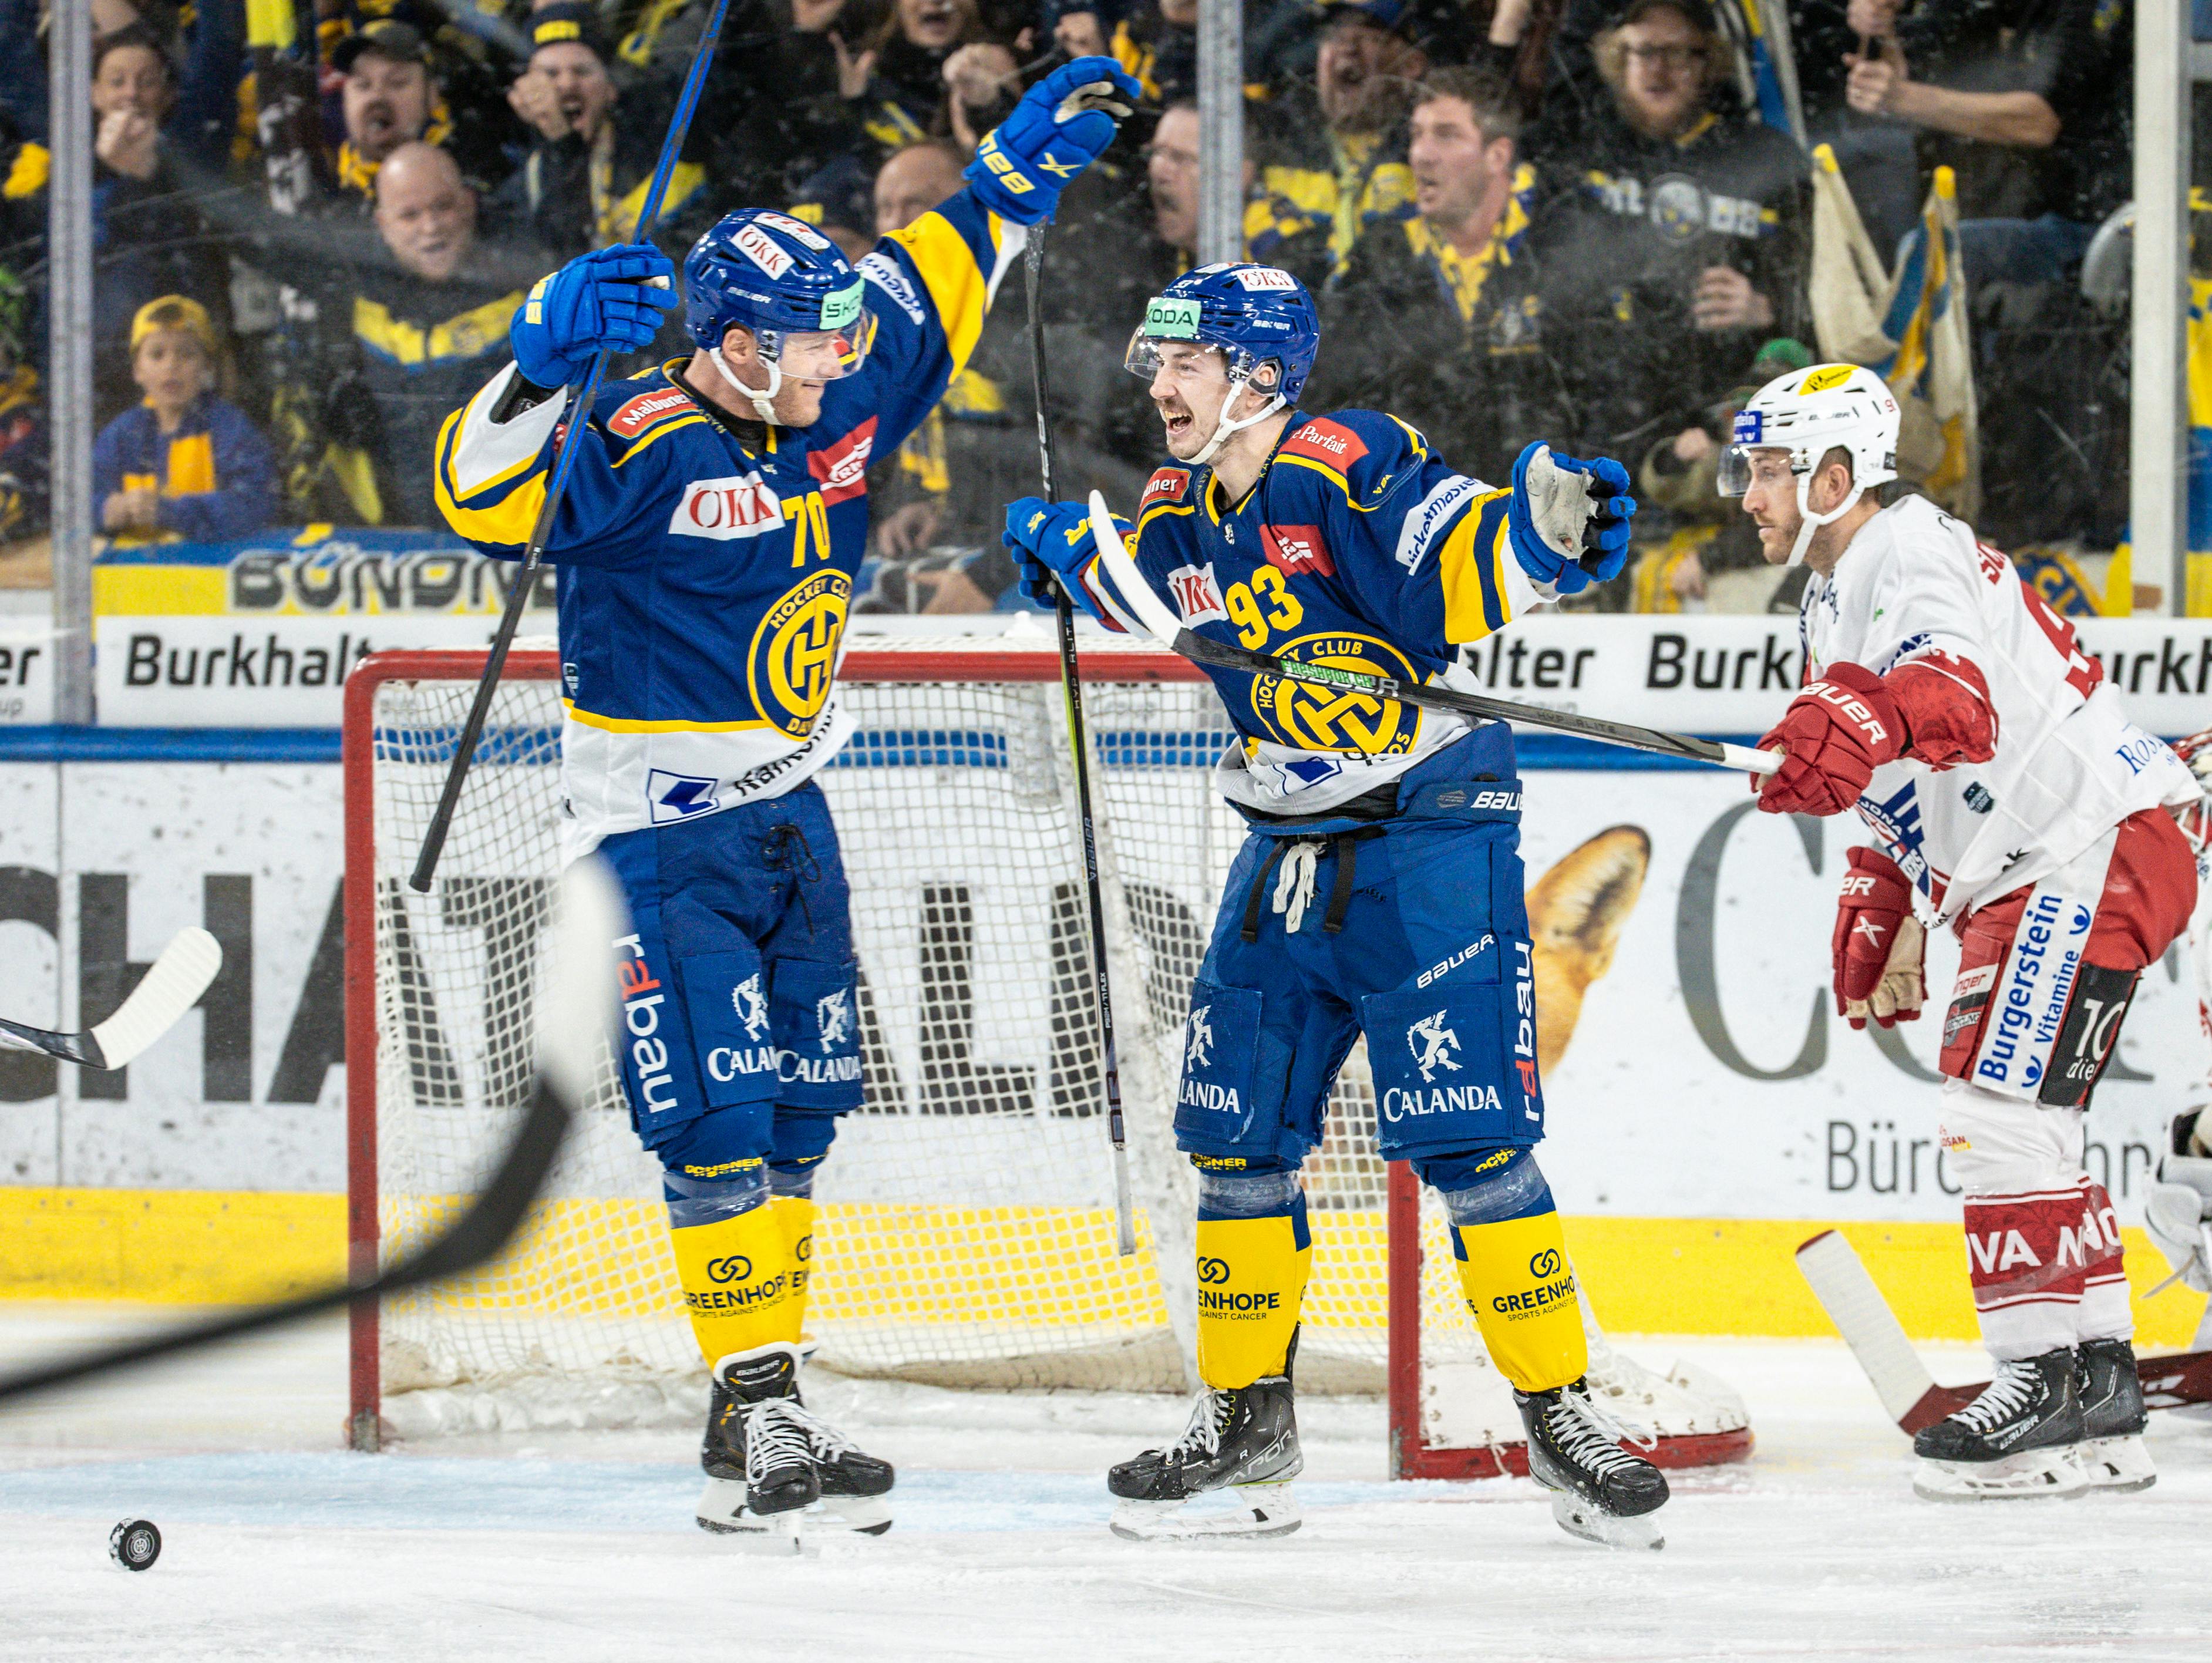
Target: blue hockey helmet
x=1253 y=315
x=787 y=282
x=1259 y=318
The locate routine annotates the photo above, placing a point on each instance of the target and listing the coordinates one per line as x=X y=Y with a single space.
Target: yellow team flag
x=1909 y=326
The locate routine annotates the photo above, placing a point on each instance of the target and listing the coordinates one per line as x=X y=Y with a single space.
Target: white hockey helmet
x=1807 y=413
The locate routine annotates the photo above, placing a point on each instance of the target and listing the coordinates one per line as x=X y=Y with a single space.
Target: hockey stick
x=1164 y=627
x=578 y=1009
x=564 y=459
x=170 y=988
x=1908 y=1392
x=1071 y=688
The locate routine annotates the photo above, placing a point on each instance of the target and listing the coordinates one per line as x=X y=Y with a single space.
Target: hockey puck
x=135 y=1544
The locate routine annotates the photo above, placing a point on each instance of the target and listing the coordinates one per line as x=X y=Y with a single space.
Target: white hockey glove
x=2175 y=1214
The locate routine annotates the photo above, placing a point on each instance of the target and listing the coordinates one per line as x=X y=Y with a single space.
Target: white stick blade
x=1868 y=1326
x=578 y=1004
x=1151 y=611
x=172 y=987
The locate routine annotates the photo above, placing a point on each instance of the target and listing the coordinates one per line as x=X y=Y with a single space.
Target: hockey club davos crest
x=1313 y=718
x=795 y=649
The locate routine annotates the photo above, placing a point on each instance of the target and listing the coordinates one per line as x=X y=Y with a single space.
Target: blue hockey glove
x=1051 y=542
x=1054 y=133
x=612 y=298
x=1568 y=520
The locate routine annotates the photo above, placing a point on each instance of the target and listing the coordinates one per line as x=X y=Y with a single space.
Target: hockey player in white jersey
x=2011 y=800
x=2178 y=1211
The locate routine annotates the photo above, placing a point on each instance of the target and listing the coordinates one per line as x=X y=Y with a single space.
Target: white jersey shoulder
x=2070 y=765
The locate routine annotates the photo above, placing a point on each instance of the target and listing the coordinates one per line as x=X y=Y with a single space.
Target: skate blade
x=1259 y=1510
x=722 y=1511
x=861 y=1515
x=2115 y=1465
x=1593 y=1524
x=2033 y=1474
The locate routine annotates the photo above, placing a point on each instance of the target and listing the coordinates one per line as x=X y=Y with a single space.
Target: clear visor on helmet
x=821 y=354
x=1149 y=354
x=1742 y=466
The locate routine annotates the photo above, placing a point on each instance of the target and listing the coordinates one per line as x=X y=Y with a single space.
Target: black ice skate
x=2111 y=1454
x=1599 y=1492
x=1244 y=1441
x=774 y=1470
x=2014 y=1440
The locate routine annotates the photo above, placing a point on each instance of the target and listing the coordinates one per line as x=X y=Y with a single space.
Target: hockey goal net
x=966 y=1234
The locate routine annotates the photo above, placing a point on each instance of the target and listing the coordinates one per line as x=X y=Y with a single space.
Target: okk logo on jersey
x=751 y=1006
x=1432 y=1045
x=728 y=509
x=1197 y=595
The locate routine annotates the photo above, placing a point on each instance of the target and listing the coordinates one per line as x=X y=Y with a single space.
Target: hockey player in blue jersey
x=714 y=522
x=1379 y=891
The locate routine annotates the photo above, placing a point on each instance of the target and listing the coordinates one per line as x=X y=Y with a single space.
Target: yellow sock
x=737 y=1282
x=795 y=1213
x=1518 y=1284
x=1251 y=1277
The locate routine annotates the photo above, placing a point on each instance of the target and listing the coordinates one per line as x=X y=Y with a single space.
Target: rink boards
x=1709 y=1111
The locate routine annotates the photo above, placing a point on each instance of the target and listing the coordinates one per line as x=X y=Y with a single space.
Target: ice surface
x=579 y=1546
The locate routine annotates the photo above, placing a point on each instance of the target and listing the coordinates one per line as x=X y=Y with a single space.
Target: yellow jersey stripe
x=508 y=521
x=628 y=725
x=1470 y=570
x=957 y=288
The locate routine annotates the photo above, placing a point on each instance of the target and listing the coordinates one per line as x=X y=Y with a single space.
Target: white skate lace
x=1209 y=1418
x=2007 y=1394
x=828 y=1443
x=1591 y=1437
x=776 y=1436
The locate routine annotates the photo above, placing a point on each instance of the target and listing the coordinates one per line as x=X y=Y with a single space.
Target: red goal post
x=942 y=718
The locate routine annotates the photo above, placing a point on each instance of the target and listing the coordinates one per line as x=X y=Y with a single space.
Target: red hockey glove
x=1878 y=944
x=1834 y=735
x=1945 y=702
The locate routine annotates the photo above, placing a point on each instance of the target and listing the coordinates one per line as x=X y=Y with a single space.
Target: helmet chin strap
x=1808 y=522
x=764 y=398
x=1224 y=429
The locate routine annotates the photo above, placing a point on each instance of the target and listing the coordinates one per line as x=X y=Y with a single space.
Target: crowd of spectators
x=1577 y=219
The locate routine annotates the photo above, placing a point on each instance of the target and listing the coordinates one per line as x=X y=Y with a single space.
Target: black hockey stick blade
x=577 y=1012
x=1166 y=627
x=171 y=986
